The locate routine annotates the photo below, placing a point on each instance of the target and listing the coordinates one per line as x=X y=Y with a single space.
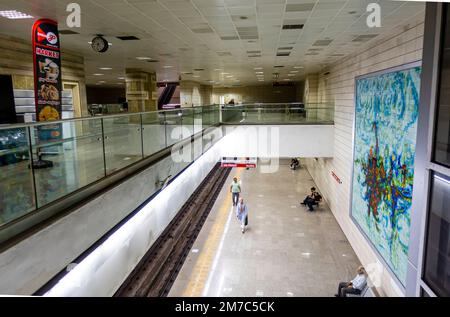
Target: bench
x=366 y=292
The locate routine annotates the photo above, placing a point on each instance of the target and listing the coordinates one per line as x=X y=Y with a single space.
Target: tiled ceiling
x=228 y=39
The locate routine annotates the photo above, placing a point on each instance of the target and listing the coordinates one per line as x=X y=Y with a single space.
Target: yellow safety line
x=205 y=260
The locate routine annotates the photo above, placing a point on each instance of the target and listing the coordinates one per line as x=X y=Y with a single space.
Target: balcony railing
x=91 y=149
x=276 y=113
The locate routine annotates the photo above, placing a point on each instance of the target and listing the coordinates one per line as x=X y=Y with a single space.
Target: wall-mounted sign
x=336 y=177
x=246 y=162
x=47 y=71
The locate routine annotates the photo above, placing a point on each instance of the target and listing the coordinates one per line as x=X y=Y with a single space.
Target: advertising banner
x=47 y=77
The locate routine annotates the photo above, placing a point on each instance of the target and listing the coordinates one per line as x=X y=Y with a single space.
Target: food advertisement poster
x=47 y=77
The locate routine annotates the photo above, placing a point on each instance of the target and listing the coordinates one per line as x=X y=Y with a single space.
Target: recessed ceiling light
x=105 y=68
x=167 y=66
x=291 y=75
x=231 y=76
x=218 y=69
x=259 y=72
x=224 y=73
x=143 y=58
x=286 y=79
x=121 y=78
x=102 y=82
x=97 y=74
x=257 y=68
x=196 y=76
x=14 y=15
x=294 y=71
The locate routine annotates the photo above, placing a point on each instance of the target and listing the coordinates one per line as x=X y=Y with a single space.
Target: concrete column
x=141 y=91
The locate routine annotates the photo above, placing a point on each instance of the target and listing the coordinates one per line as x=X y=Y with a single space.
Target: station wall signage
x=47 y=76
x=337 y=179
x=243 y=162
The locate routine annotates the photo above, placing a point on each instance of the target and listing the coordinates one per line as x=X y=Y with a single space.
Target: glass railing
x=36 y=170
x=278 y=113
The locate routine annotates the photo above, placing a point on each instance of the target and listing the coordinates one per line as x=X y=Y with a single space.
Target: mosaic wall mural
x=385 y=136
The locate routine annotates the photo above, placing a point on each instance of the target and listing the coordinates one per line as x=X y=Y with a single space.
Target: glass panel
x=198 y=117
x=211 y=115
x=16 y=188
x=173 y=126
x=437 y=258
x=278 y=113
x=69 y=163
x=442 y=137
x=154 y=132
x=123 y=141
x=188 y=122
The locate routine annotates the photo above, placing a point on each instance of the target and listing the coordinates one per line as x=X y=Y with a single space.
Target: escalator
x=166 y=95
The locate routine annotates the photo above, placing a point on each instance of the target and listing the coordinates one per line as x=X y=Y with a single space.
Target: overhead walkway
x=286 y=251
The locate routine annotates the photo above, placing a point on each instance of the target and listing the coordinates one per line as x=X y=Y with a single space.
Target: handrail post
x=103 y=145
x=142 y=134
x=30 y=155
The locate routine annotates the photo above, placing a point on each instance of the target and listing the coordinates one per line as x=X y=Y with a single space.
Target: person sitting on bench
x=355 y=286
x=294 y=163
x=313 y=199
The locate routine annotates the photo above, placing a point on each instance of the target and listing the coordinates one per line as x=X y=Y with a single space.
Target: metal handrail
x=129 y=114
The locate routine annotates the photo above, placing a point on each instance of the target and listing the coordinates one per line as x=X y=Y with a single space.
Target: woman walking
x=242 y=214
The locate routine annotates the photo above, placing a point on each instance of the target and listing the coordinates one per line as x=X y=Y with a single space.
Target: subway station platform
x=286 y=251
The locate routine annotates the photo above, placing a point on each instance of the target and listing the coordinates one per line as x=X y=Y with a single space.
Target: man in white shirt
x=235 y=190
x=355 y=286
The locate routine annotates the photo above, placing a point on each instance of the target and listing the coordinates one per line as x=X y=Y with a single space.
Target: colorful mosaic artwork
x=385 y=137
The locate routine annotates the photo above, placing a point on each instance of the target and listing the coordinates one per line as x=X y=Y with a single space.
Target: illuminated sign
x=243 y=162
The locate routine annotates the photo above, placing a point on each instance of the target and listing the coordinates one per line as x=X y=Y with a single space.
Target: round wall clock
x=99 y=44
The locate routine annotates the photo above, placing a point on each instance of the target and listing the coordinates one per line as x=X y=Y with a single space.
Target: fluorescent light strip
x=14 y=15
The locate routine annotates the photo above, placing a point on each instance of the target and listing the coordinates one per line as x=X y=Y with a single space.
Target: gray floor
x=286 y=251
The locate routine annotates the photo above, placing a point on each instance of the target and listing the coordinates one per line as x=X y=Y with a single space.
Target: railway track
x=157 y=271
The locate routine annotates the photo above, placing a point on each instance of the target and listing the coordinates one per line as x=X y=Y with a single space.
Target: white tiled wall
x=400 y=46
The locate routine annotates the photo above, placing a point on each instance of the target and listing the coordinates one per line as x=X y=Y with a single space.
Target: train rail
x=157 y=271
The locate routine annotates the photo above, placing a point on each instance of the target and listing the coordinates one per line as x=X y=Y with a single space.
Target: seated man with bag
x=313 y=199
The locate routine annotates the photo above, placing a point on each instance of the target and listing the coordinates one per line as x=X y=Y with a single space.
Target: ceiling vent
x=283 y=53
x=202 y=30
x=364 y=37
x=152 y=61
x=299 y=7
x=253 y=52
x=285 y=48
x=67 y=32
x=278 y=66
x=229 y=38
x=293 y=26
x=224 y=54
x=255 y=55
x=322 y=42
x=128 y=38
x=199 y=69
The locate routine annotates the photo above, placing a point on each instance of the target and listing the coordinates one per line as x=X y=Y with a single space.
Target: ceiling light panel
x=296 y=7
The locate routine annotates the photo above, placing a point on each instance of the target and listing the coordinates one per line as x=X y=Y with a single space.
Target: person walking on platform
x=242 y=214
x=235 y=190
